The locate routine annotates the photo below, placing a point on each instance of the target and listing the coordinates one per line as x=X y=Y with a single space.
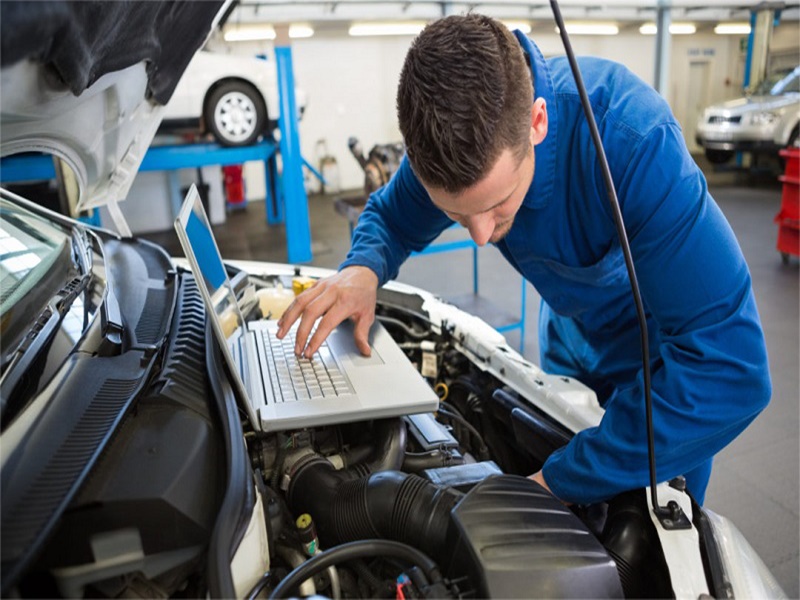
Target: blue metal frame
x=189 y=156
x=748 y=61
x=314 y=172
x=294 y=191
x=27 y=167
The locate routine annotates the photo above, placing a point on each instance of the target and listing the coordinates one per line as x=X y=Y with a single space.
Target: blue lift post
x=188 y=156
x=298 y=229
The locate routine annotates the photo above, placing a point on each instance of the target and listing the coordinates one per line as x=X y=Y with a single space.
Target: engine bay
x=453 y=485
x=424 y=505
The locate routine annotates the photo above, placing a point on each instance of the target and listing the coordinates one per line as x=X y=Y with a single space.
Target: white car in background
x=764 y=121
x=233 y=97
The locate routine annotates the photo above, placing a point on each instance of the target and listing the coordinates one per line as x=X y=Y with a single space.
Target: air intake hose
x=386 y=456
x=387 y=504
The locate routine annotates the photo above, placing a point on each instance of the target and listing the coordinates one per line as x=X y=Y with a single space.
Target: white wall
x=351 y=82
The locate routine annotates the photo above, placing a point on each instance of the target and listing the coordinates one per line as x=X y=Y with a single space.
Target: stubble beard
x=501 y=231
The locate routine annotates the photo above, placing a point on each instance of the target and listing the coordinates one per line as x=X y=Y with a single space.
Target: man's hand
x=539 y=478
x=350 y=293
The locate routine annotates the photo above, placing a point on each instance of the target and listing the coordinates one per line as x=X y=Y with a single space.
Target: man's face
x=487 y=209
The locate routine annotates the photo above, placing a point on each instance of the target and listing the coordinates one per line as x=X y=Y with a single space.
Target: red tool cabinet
x=788 y=219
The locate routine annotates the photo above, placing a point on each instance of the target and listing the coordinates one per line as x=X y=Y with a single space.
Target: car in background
x=233 y=97
x=764 y=121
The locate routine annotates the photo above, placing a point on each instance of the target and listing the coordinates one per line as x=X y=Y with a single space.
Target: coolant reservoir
x=273 y=301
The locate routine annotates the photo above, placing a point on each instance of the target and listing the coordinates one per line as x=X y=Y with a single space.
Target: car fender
x=788 y=122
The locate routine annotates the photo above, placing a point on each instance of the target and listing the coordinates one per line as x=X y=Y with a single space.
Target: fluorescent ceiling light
x=732 y=29
x=363 y=29
x=250 y=34
x=578 y=28
x=674 y=29
x=266 y=32
x=300 y=31
x=523 y=26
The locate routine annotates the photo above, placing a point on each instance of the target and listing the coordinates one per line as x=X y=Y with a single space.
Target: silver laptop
x=282 y=391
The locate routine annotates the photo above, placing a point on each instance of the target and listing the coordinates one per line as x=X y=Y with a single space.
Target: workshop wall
x=351 y=82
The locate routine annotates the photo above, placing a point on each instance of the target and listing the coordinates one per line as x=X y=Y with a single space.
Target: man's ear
x=538 y=121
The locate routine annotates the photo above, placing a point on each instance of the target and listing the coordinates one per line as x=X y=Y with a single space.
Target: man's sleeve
x=711 y=376
x=398 y=219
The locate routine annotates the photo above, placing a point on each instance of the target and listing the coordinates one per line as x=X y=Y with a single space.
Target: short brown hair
x=465 y=95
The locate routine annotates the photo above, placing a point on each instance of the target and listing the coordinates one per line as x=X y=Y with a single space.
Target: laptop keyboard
x=294 y=378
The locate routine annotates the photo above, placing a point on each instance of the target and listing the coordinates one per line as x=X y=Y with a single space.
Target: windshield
x=778 y=84
x=49 y=295
x=32 y=250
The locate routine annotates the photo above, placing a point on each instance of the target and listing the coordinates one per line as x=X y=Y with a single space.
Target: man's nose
x=480 y=228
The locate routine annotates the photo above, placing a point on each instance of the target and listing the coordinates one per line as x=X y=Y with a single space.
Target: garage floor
x=755 y=479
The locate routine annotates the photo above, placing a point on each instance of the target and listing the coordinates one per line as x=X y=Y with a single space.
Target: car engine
x=426 y=505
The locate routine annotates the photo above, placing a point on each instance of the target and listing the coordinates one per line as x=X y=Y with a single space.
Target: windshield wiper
x=110 y=312
x=43 y=328
x=36 y=339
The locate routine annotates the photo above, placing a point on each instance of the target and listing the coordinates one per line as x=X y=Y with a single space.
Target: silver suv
x=764 y=121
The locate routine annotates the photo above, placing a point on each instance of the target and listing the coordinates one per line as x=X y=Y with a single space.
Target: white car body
x=208 y=69
x=763 y=122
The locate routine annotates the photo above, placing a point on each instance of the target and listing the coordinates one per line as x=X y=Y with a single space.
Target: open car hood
x=87 y=81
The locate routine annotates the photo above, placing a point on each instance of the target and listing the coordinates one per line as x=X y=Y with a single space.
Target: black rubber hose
x=356 y=455
x=389 y=454
x=466 y=424
x=260 y=585
x=388 y=504
x=354 y=550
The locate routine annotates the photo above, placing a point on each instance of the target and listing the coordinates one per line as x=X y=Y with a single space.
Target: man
x=497 y=141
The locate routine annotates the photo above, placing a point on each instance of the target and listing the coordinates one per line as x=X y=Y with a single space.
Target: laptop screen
x=209 y=263
x=200 y=247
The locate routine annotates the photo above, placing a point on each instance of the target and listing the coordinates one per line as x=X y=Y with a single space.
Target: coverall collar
x=541 y=189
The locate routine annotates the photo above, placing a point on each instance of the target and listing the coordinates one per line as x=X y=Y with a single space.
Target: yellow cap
x=303 y=521
x=301 y=284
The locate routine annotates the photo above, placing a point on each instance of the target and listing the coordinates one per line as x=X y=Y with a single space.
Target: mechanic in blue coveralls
x=496 y=140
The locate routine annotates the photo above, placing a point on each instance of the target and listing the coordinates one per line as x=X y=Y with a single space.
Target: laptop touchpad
x=346 y=350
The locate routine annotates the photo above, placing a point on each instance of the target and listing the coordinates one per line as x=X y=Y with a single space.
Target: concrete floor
x=755 y=479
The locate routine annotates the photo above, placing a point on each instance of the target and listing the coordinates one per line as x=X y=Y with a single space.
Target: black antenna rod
x=626 y=250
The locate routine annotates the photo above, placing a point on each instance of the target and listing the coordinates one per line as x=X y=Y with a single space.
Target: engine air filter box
x=513 y=539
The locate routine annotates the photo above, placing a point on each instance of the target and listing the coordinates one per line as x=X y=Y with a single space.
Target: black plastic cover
x=513 y=539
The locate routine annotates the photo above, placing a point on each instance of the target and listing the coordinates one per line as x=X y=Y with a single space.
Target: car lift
x=286 y=196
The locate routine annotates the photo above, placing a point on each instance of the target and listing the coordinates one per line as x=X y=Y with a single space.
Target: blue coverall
x=709 y=362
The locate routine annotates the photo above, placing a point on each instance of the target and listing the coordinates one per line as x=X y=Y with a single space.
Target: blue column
x=748 y=62
x=298 y=229
x=274 y=197
x=663 y=43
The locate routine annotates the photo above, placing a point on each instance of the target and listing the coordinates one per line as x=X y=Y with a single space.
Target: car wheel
x=793 y=136
x=235 y=114
x=718 y=157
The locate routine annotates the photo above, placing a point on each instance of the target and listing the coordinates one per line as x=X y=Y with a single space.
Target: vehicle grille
x=719 y=119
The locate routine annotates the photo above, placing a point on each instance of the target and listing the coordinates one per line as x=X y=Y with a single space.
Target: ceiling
x=330 y=13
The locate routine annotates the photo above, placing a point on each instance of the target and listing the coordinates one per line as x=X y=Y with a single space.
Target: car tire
x=793 y=136
x=235 y=114
x=719 y=157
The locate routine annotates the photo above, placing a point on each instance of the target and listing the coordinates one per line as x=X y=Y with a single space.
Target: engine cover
x=513 y=539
